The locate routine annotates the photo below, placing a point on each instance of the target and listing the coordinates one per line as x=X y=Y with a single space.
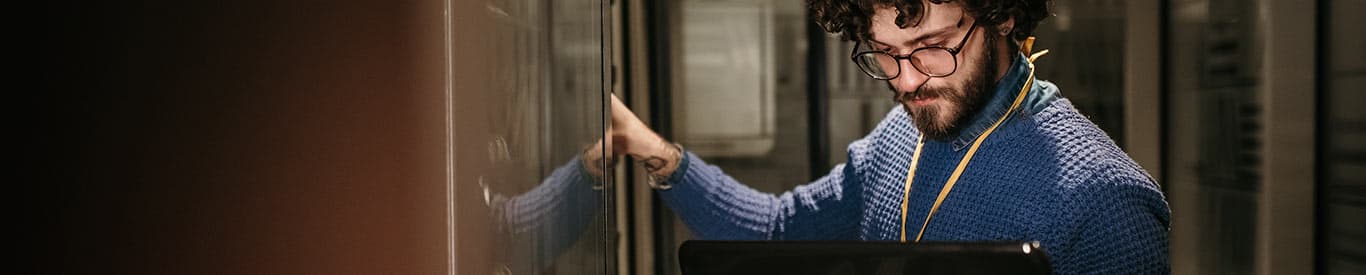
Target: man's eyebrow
x=942 y=30
x=933 y=33
x=876 y=42
x=917 y=38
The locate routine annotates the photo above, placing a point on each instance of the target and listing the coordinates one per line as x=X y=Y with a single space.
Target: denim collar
x=1003 y=95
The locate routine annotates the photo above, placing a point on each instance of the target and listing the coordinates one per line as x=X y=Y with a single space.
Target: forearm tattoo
x=663 y=160
x=653 y=164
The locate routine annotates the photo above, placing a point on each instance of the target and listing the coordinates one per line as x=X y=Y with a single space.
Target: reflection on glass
x=543 y=106
x=1216 y=117
x=1343 y=197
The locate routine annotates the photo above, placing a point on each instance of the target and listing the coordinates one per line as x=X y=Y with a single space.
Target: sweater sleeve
x=546 y=221
x=715 y=206
x=1122 y=228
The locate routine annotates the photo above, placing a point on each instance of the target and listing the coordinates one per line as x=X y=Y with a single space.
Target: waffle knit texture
x=1047 y=174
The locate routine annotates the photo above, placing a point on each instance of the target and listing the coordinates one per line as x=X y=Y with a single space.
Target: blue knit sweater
x=1047 y=174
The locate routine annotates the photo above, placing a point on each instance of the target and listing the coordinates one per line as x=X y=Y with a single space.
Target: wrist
x=659 y=157
x=643 y=143
x=661 y=166
x=595 y=161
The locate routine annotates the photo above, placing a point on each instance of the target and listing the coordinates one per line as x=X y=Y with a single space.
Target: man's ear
x=1006 y=27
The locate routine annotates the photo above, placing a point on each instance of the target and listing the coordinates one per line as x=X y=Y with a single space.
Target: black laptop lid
x=859 y=257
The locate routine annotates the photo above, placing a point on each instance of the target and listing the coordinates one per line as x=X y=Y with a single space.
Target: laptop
x=861 y=257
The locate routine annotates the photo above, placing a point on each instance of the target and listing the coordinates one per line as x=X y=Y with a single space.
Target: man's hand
x=630 y=136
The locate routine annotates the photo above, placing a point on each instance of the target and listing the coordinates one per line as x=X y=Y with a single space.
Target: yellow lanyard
x=963 y=164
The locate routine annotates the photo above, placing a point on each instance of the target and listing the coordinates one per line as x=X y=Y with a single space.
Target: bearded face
x=940 y=111
x=939 y=106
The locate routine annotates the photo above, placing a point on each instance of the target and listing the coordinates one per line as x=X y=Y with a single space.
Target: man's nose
x=910 y=79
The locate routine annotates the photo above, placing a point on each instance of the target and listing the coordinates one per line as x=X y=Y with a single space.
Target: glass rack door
x=528 y=88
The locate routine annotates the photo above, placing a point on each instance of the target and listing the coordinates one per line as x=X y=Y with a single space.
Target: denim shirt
x=1038 y=97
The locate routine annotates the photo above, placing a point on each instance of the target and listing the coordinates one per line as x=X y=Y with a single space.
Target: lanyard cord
x=963 y=164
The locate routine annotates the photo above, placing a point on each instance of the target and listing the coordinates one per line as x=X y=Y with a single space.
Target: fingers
x=616 y=102
x=627 y=132
x=622 y=116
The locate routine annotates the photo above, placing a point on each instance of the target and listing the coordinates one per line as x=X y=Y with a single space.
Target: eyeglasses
x=934 y=61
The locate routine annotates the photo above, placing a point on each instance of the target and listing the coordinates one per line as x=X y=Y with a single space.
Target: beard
x=944 y=120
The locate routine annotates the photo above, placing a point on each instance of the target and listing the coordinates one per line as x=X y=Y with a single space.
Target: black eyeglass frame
x=953 y=52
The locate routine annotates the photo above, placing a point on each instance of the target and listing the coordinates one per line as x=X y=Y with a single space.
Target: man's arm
x=1122 y=227
x=715 y=206
x=539 y=225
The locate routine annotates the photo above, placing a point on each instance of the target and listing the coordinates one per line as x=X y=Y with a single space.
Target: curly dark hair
x=852 y=18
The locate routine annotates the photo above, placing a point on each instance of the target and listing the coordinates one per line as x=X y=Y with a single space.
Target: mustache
x=904 y=96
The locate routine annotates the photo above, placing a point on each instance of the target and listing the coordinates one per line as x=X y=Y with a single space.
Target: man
x=978 y=150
